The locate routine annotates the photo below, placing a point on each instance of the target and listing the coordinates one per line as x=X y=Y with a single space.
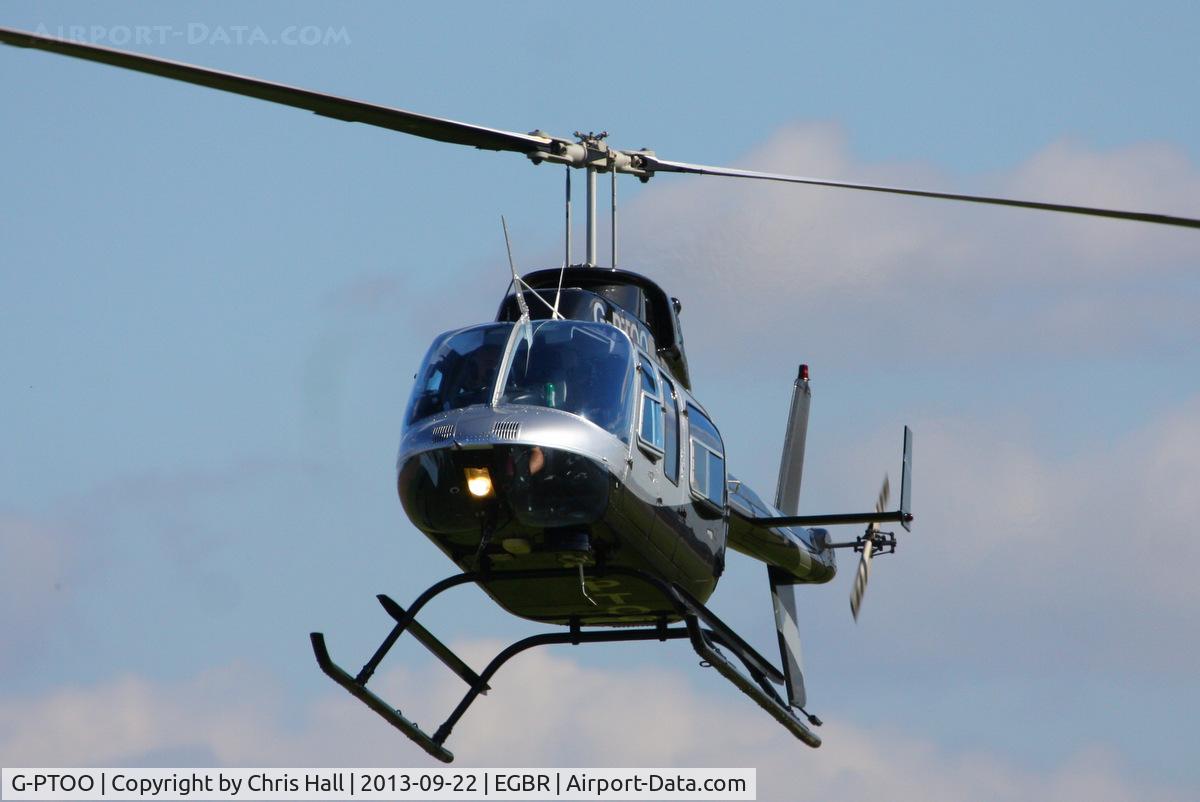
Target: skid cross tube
x=575 y=637
x=707 y=640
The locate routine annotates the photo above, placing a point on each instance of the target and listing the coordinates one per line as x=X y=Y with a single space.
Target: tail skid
x=709 y=636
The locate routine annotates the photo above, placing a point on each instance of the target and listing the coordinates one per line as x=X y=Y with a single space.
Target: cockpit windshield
x=459 y=370
x=575 y=366
x=582 y=368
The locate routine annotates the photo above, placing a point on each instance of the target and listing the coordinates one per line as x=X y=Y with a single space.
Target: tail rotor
x=871 y=539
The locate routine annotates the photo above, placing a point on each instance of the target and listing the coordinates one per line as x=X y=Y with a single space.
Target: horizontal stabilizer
x=902 y=515
x=834 y=519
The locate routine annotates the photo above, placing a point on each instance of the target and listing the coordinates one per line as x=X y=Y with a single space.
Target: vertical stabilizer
x=791 y=464
x=787 y=501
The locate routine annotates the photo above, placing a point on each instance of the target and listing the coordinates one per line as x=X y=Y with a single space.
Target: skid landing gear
x=709 y=636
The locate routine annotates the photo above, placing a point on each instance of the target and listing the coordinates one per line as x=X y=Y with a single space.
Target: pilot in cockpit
x=475 y=377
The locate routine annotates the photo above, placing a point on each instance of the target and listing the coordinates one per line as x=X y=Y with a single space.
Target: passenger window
x=671 y=435
x=650 y=423
x=708 y=458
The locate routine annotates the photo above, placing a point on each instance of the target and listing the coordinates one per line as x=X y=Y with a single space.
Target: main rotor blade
x=654 y=164
x=338 y=108
x=444 y=130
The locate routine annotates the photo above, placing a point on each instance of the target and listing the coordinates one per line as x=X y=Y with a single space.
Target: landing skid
x=709 y=636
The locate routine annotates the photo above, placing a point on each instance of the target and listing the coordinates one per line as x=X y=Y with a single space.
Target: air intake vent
x=506 y=429
x=443 y=432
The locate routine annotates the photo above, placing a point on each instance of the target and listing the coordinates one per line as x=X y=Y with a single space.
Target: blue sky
x=212 y=309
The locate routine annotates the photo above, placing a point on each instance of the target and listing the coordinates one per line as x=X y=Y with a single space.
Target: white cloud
x=547 y=710
x=1097 y=515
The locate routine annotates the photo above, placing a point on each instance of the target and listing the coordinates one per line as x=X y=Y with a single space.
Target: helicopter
x=559 y=456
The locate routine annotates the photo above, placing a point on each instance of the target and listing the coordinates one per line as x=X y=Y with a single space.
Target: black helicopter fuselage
x=572 y=439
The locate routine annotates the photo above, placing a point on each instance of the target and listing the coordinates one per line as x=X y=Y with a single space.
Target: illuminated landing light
x=479 y=482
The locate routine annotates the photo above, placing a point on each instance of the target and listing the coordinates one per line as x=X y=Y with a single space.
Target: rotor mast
x=591 y=216
x=591 y=153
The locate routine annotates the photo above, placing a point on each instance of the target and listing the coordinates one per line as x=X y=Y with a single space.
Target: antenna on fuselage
x=518 y=282
x=513 y=266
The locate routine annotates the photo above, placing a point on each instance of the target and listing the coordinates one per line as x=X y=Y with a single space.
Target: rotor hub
x=592 y=152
